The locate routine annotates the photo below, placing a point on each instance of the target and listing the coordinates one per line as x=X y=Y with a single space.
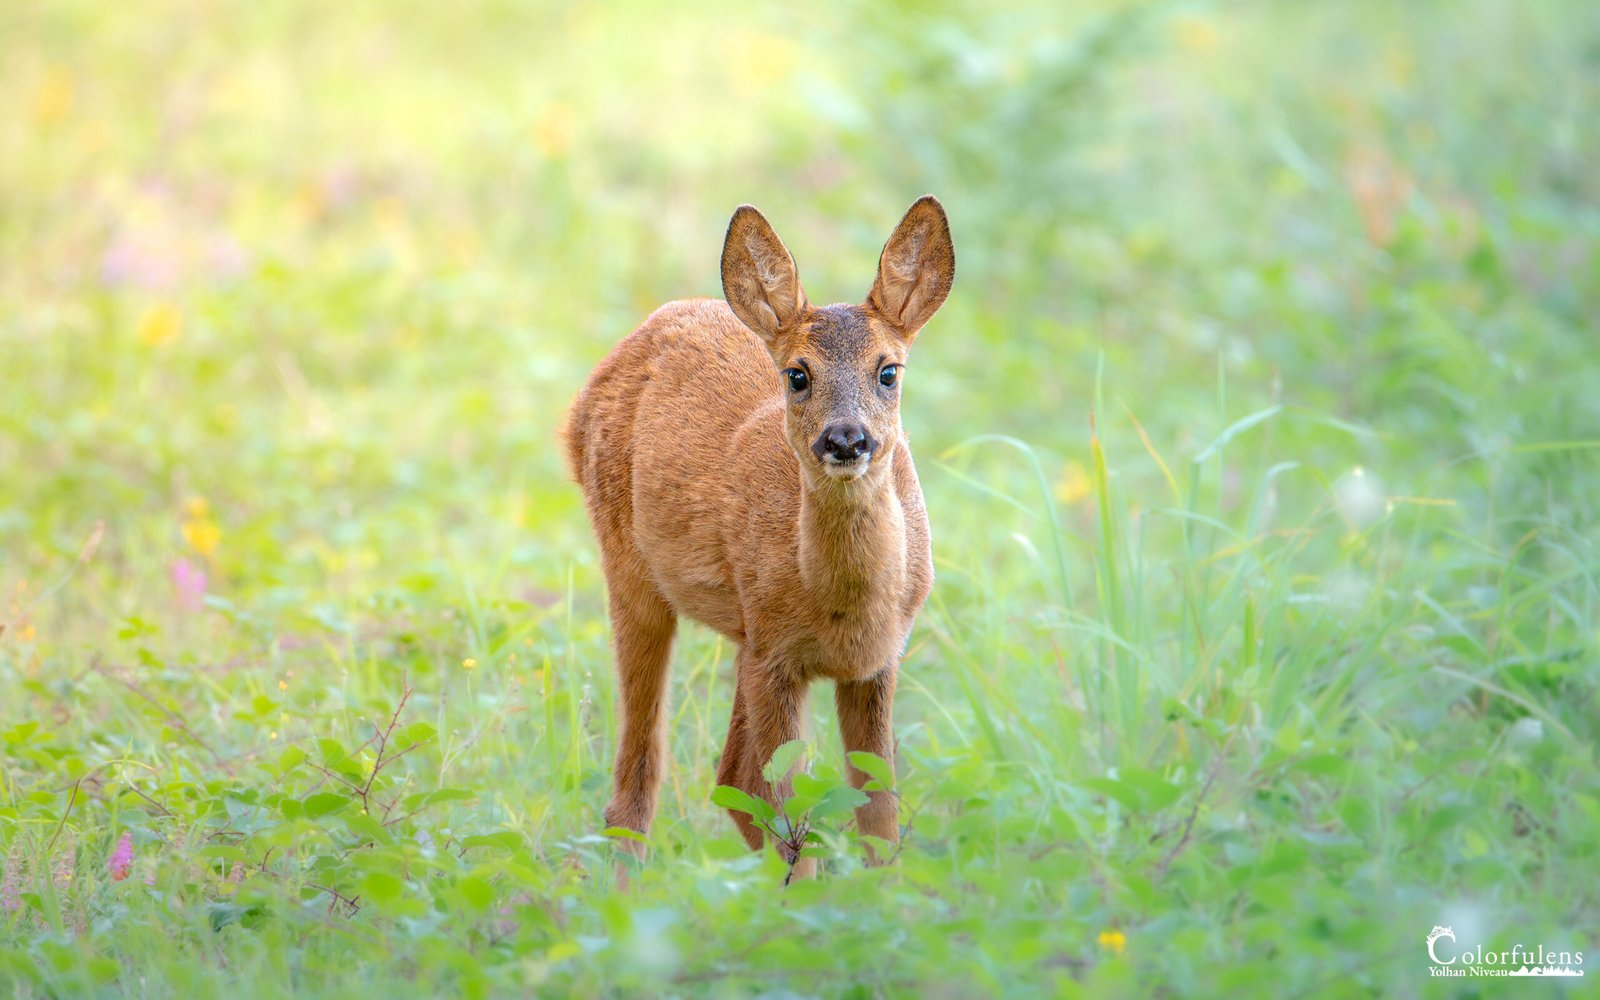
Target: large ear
x=916 y=269
x=759 y=279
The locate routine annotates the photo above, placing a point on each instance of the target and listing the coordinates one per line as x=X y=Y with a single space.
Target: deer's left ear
x=916 y=269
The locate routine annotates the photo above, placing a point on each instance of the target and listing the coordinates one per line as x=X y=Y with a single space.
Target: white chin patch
x=846 y=470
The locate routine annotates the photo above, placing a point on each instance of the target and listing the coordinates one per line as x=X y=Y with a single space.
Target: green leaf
x=224 y=851
x=507 y=840
x=1115 y=789
x=796 y=806
x=20 y=732
x=782 y=760
x=729 y=797
x=291 y=758
x=838 y=800
x=477 y=893
x=873 y=766
x=368 y=828
x=104 y=969
x=421 y=799
x=323 y=803
x=417 y=732
x=223 y=914
x=1320 y=764
x=1156 y=791
x=332 y=753
x=810 y=786
x=381 y=887
x=624 y=833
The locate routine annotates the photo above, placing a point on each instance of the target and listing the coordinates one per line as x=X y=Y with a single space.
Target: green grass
x=1260 y=437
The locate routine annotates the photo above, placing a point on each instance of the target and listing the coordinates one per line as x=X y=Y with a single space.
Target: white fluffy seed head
x=1359 y=498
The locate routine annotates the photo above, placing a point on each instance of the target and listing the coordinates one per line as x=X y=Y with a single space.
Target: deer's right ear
x=759 y=278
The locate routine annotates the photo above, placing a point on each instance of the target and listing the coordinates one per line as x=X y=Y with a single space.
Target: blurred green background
x=1260 y=435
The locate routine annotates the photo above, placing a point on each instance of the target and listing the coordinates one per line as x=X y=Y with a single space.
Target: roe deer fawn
x=743 y=464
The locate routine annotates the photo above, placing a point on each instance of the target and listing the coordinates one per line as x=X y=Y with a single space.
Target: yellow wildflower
x=54 y=99
x=198 y=529
x=161 y=324
x=762 y=58
x=1113 y=941
x=1196 y=34
x=553 y=129
x=1075 y=484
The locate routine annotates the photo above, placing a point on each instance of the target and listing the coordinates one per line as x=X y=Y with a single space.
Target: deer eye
x=799 y=381
x=890 y=375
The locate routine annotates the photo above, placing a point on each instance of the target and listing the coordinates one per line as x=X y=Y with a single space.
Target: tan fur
x=709 y=498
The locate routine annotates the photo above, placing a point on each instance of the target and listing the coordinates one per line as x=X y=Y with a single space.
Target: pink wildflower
x=122 y=858
x=189 y=581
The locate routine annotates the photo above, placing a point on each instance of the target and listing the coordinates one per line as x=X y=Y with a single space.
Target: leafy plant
x=812 y=821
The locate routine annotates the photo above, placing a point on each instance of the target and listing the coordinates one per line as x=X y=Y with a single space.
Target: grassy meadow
x=1260 y=438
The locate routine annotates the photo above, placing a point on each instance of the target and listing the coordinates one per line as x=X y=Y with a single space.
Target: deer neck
x=852 y=538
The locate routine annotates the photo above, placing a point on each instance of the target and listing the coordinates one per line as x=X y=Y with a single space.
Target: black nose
x=843 y=442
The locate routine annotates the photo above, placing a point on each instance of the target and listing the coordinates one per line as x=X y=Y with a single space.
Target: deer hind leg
x=642 y=626
x=866 y=723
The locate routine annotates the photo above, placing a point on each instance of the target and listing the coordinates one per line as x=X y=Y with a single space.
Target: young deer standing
x=743 y=464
